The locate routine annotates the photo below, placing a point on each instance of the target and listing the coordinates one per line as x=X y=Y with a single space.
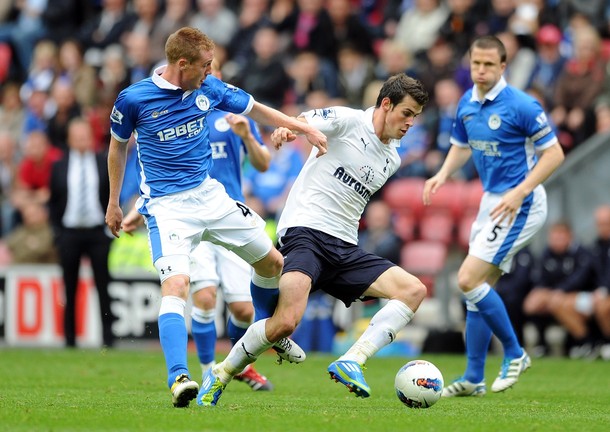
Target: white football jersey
x=331 y=191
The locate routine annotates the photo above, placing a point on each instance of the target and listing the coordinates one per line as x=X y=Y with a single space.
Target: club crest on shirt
x=367 y=174
x=494 y=121
x=202 y=102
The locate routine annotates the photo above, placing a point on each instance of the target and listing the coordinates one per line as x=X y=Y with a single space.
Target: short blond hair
x=187 y=43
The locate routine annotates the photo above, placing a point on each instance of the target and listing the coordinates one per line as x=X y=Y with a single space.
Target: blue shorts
x=336 y=267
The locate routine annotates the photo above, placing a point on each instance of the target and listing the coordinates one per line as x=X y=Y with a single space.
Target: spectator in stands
x=310 y=29
x=438 y=62
x=63 y=18
x=393 y=59
x=549 y=62
x=356 y=71
x=139 y=62
x=106 y=28
x=147 y=17
x=216 y=20
x=66 y=107
x=378 y=236
x=309 y=73
x=25 y=31
x=520 y=60
x=601 y=264
x=42 y=71
x=460 y=26
x=176 y=15
x=563 y=269
x=252 y=16
x=32 y=183
x=8 y=173
x=32 y=242
x=12 y=111
x=580 y=82
x=82 y=77
x=348 y=28
x=423 y=19
x=114 y=72
x=585 y=311
x=265 y=76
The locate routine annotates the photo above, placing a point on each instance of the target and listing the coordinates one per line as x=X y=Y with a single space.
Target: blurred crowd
x=67 y=59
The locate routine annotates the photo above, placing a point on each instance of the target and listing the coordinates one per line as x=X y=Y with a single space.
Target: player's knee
x=271 y=265
x=177 y=286
x=416 y=290
x=204 y=298
x=242 y=311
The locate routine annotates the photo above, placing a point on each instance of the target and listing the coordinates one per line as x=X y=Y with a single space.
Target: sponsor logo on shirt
x=353 y=182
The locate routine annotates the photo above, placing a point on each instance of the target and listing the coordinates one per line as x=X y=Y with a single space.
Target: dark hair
x=490 y=42
x=187 y=43
x=400 y=85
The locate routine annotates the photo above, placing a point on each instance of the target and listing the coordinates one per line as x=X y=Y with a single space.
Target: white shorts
x=213 y=265
x=177 y=223
x=498 y=244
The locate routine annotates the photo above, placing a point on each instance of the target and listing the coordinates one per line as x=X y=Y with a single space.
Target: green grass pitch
x=124 y=390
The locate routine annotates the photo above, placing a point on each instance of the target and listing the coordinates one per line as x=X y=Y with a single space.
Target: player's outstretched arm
x=258 y=154
x=455 y=159
x=117 y=157
x=272 y=117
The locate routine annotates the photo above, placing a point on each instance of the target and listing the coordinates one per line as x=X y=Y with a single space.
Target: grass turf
x=124 y=390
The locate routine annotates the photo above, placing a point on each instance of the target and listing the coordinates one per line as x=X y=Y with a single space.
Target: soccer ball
x=419 y=384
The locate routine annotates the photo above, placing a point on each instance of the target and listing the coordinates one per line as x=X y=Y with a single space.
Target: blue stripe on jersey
x=171 y=130
x=153 y=233
x=515 y=230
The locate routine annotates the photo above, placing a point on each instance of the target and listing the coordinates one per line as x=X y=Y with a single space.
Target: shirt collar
x=491 y=94
x=160 y=81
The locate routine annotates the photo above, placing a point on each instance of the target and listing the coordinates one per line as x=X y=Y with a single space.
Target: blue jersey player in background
x=514 y=150
x=182 y=205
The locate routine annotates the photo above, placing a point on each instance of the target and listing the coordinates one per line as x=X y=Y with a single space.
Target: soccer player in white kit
x=503 y=129
x=181 y=203
x=318 y=235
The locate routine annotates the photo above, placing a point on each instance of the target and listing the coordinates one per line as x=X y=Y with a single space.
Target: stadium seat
x=449 y=199
x=405 y=226
x=437 y=227
x=464 y=228
x=5 y=61
x=424 y=259
x=405 y=195
x=472 y=196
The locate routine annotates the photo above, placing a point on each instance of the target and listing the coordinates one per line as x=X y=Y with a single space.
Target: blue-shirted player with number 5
x=180 y=203
x=514 y=150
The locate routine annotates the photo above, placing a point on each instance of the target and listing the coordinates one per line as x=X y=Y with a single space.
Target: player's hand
x=114 y=217
x=132 y=221
x=281 y=135
x=239 y=124
x=431 y=186
x=318 y=140
x=508 y=207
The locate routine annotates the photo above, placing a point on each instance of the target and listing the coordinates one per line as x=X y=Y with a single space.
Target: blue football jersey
x=171 y=131
x=228 y=152
x=503 y=131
